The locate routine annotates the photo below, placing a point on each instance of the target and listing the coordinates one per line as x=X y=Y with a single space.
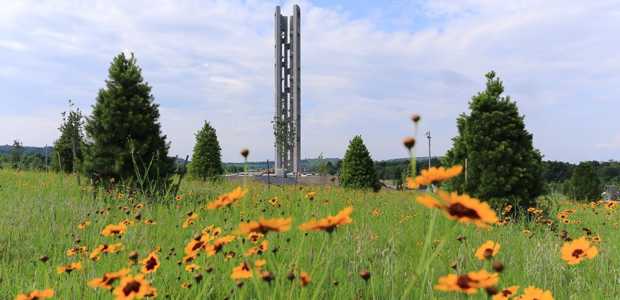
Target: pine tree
x=16 y=154
x=71 y=140
x=585 y=183
x=124 y=138
x=358 y=170
x=502 y=164
x=206 y=158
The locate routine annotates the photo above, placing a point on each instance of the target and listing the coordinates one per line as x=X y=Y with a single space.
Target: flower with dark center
x=69 y=268
x=576 y=251
x=433 y=175
x=108 y=279
x=487 y=250
x=134 y=287
x=151 y=263
x=532 y=293
x=329 y=223
x=467 y=283
x=461 y=208
x=36 y=295
x=263 y=226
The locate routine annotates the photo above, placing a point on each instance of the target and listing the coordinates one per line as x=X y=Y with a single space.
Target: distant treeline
x=557 y=175
x=608 y=172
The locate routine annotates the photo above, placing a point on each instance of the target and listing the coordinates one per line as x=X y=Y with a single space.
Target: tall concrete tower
x=287 y=121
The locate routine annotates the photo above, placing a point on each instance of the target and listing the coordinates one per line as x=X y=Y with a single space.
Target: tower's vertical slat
x=286 y=159
x=277 y=91
x=296 y=86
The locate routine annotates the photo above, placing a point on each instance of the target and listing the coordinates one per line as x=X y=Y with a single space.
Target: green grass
x=39 y=214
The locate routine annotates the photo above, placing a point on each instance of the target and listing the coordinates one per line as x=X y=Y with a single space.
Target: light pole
x=428 y=136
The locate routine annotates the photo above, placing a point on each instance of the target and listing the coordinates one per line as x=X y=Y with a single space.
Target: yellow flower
x=108 y=279
x=329 y=223
x=468 y=283
x=218 y=244
x=433 y=175
x=506 y=293
x=461 y=208
x=487 y=250
x=259 y=263
x=69 y=268
x=254 y=237
x=241 y=272
x=304 y=278
x=114 y=229
x=266 y=225
x=310 y=195
x=151 y=263
x=84 y=224
x=575 y=251
x=596 y=239
x=260 y=249
x=73 y=251
x=105 y=248
x=274 y=202
x=192 y=267
x=36 y=295
x=227 y=199
x=134 y=287
x=611 y=204
x=376 y=212
x=191 y=218
x=532 y=293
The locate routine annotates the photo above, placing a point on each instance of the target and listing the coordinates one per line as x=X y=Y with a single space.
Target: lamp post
x=428 y=136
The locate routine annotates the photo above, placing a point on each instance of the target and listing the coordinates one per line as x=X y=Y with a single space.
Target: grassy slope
x=39 y=214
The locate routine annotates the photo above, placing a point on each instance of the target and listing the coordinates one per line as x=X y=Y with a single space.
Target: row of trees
x=19 y=157
x=122 y=140
x=586 y=180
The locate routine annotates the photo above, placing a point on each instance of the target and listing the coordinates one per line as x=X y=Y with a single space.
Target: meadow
x=394 y=248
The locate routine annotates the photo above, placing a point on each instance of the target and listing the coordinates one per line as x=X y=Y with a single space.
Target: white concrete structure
x=287 y=121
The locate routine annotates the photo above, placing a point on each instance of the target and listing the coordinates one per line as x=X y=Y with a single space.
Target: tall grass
x=403 y=245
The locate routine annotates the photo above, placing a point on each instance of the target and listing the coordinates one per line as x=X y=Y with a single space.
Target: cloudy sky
x=366 y=66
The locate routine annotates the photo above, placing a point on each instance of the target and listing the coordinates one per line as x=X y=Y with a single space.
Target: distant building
x=611 y=192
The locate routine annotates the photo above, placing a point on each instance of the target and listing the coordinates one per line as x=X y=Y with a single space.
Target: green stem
x=427 y=241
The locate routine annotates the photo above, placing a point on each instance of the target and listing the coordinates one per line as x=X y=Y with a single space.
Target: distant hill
x=6 y=149
x=309 y=163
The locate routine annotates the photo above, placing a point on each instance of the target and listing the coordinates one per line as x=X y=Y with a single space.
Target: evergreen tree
x=206 y=158
x=17 y=152
x=502 y=164
x=124 y=138
x=584 y=183
x=358 y=170
x=70 y=142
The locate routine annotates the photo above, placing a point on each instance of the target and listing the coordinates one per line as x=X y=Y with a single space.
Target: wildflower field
x=220 y=241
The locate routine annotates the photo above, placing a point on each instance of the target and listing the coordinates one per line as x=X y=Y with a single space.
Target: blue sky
x=366 y=66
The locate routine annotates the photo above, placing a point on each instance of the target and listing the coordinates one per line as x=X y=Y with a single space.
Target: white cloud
x=213 y=60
